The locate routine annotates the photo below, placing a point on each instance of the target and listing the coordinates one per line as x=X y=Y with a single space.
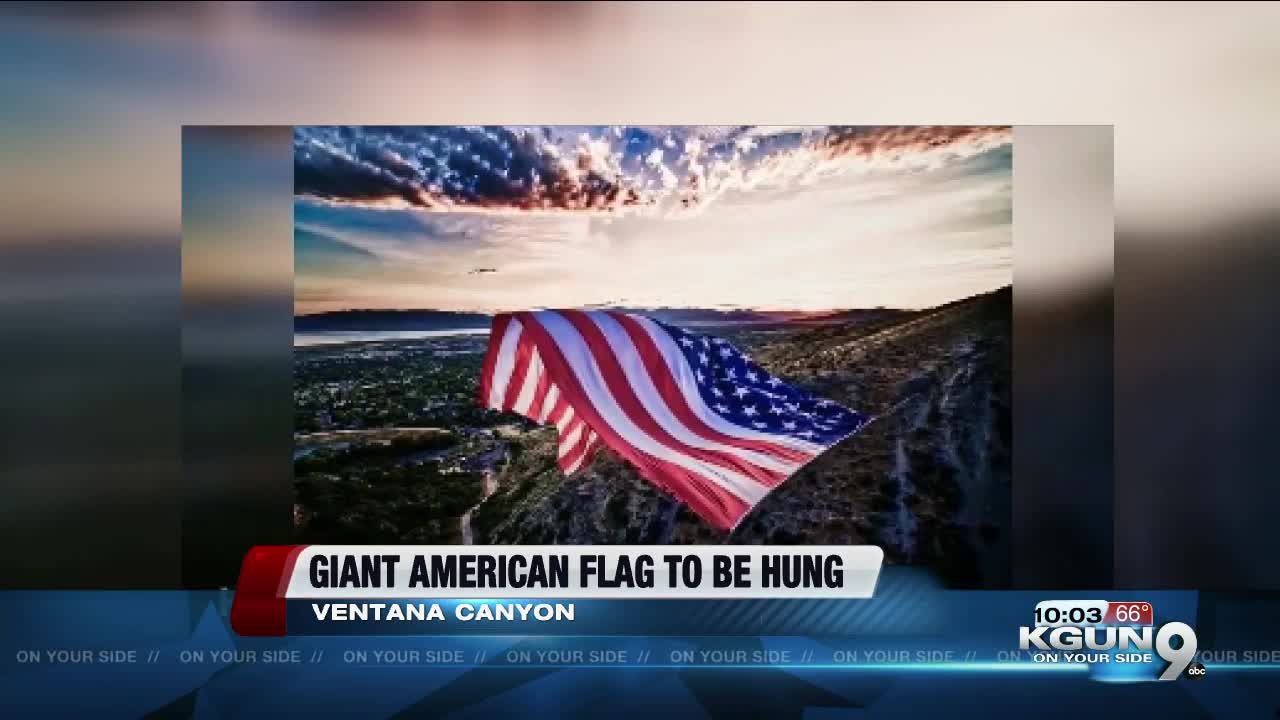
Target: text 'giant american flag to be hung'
x=694 y=416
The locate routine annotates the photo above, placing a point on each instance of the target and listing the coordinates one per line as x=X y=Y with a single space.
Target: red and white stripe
x=619 y=379
x=516 y=380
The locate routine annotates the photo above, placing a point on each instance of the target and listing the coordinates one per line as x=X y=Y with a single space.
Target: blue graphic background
x=502 y=676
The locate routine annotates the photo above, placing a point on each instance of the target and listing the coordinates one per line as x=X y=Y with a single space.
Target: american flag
x=695 y=416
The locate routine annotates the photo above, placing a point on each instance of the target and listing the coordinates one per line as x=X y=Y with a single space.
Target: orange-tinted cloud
x=602 y=170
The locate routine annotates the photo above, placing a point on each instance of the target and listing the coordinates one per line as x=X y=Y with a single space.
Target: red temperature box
x=1128 y=613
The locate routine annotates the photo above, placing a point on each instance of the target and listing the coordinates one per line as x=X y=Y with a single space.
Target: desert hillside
x=928 y=480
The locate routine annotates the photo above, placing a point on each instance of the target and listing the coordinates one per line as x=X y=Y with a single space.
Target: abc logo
x=1194 y=671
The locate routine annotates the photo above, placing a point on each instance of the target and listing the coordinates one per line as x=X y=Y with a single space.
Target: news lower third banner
x=663 y=591
x=913 y=649
x=547 y=590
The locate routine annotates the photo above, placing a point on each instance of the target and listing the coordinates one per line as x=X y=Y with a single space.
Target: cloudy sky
x=786 y=218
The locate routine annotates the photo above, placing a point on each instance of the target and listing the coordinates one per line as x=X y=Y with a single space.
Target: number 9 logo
x=1178 y=658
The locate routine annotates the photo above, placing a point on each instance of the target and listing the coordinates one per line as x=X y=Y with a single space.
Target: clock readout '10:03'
x=1058 y=613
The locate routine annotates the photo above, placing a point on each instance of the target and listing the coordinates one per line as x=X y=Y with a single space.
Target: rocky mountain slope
x=929 y=479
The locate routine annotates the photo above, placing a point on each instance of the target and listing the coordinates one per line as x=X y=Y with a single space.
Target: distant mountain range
x=710 y=316
x=366 y=320
x=390 y=320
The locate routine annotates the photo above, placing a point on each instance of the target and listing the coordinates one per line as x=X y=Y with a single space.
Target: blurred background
x=101 y=324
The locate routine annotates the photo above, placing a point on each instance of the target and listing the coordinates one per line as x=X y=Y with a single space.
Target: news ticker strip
x=381 y=677
x=274 y=577
x=639 y=653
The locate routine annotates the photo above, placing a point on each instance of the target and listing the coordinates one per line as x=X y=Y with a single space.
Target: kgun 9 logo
x=1068 y=643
